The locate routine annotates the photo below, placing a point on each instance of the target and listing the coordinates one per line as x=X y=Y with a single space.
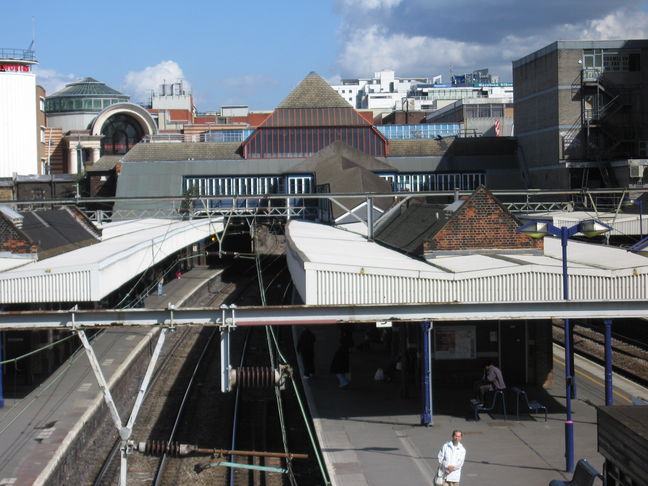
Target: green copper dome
x=87 y=94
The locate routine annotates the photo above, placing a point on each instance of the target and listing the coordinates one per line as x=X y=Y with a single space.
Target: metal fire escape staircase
x=606 y=129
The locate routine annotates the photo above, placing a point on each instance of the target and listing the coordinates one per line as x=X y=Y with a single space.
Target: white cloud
x=622 y=24
x=370 y=4
x=51 y=80
x=420 y=37
x=139 y=84
x=334 y=79
x=373 y=49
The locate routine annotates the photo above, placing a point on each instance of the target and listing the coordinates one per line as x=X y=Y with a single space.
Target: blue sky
x=255 y=52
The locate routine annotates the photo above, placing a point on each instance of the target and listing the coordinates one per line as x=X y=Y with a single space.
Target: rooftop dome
x=87 y=94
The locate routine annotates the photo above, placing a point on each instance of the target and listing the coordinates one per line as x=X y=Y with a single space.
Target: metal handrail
x=19 y=54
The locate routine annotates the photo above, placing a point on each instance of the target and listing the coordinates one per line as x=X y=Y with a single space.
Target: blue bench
x=533 y=406
x=480 y=407
x=584 y=475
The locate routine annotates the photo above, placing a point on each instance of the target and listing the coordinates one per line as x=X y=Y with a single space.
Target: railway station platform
x=371 y=435
x=40 y=430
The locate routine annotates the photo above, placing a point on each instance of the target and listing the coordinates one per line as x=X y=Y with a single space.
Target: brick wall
x=13 y=240
x=481 y=223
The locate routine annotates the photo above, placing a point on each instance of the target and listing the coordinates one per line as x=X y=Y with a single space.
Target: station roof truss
x=315 y=315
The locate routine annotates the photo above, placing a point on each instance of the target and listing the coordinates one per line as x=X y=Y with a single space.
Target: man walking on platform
x=451 y=460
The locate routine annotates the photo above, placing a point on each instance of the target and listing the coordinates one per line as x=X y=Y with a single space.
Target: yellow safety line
x=596 y=381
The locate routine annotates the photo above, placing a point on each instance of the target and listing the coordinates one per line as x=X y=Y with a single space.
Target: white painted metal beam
x=288 y=315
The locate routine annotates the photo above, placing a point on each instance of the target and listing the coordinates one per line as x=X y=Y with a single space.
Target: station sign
x=15 y=68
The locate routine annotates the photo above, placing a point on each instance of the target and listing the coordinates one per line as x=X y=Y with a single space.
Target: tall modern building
x=18 y=109
x=581 y=113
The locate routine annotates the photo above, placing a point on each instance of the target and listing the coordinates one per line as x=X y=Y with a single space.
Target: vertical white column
x=72 y=160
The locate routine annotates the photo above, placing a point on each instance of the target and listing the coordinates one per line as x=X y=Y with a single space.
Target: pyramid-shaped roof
x=313 y=103
x=313 y=92
x=312 y=117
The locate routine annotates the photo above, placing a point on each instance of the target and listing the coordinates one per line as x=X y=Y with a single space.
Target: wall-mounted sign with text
x=15 y=68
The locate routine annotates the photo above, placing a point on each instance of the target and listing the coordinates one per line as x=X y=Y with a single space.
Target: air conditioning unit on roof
x=636 y=171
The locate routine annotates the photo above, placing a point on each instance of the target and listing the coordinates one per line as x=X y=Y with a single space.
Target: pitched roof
x=481 y=224
x=347 y=171
x=409 y=225
x=314 y=92
x=184 y=151
x=472 y=146
x=419 y=147
x=105 y=163
x=340 y=150
x=58 y=230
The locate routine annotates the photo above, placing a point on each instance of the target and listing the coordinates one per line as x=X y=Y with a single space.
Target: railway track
x=630 y=356
x=206 y=421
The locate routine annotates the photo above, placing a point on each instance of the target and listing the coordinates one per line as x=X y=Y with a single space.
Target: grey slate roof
x=420 y=147
x=346 y=171
x=406 y=228
x=58 y=230
x=184 y=151
x=105 y=163
x=313 y=92
x=339 y=149
x=479 y=146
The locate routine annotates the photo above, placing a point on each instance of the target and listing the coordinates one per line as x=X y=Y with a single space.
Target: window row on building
x=303 y=184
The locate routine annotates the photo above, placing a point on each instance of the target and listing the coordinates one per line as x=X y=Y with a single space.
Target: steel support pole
x=426 y=416
x=225 y=366
x=370 y=220
x=569 y=424
x=1 y=371
x=640 y=202
x=609 y=396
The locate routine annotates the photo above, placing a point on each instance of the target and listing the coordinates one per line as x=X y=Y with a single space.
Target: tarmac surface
x=369 y=435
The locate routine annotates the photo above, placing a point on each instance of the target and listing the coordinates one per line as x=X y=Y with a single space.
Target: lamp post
x=638 y=202
x=540 y=229
x=426 y=415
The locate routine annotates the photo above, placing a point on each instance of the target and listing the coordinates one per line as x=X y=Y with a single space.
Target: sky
x=255 y=52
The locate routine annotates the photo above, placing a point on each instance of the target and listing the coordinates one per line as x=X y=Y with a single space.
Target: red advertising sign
x=15 y=68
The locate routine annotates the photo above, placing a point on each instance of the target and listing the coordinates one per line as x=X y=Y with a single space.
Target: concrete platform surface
x=371 y=436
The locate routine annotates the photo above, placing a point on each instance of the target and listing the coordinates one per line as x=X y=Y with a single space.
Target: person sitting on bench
x=492 y=380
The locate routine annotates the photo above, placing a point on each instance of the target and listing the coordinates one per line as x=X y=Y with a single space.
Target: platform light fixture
x=589 y=228
x=637 y=202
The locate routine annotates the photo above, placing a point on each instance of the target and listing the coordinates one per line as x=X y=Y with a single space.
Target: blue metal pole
x=640 y=219
x=426 y=416
x=609 y=397
x=569 y=424
x=1 y=372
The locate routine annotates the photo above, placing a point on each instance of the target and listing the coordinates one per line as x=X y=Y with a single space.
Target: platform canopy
x=88 y=274
x=330 y=266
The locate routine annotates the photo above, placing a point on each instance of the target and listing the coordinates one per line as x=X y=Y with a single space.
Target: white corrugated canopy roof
x=331 y=266
x=127 y=249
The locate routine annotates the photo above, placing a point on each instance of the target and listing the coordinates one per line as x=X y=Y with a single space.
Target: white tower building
x=18 y=126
